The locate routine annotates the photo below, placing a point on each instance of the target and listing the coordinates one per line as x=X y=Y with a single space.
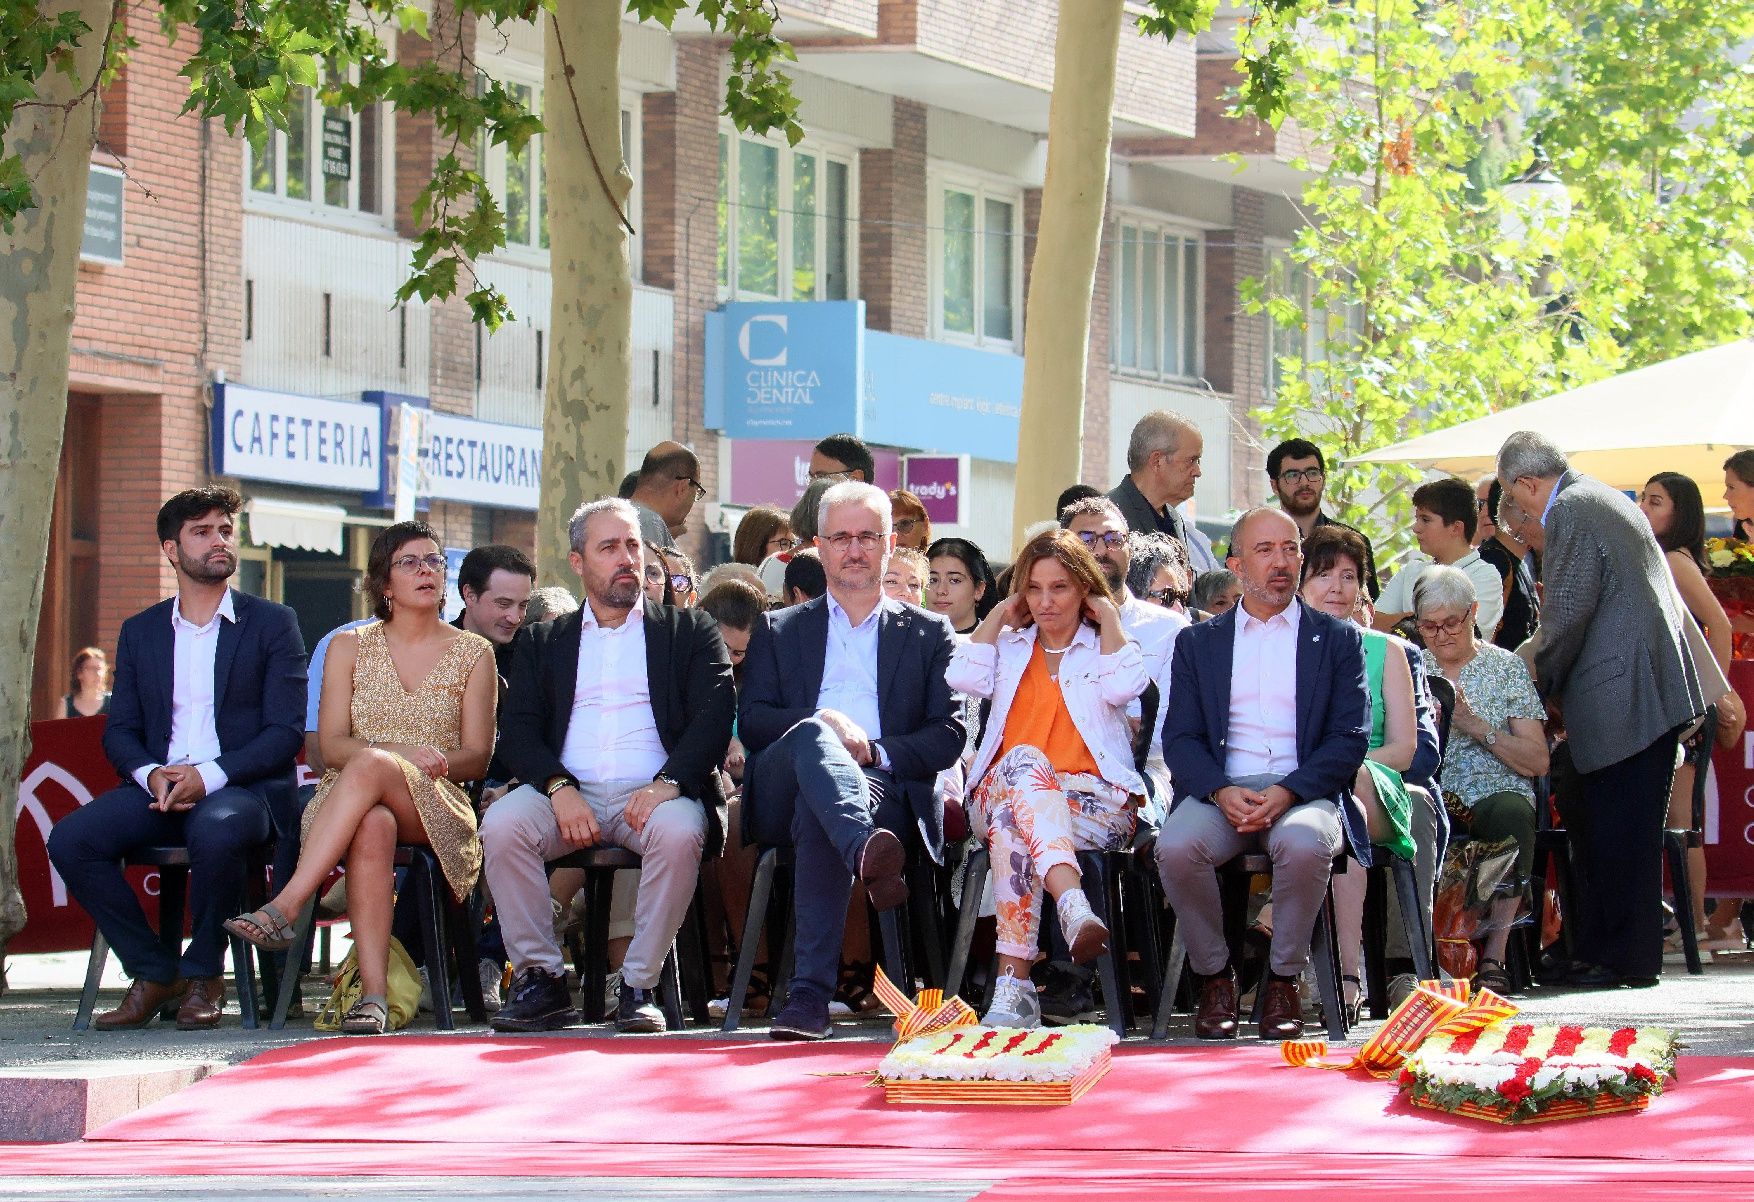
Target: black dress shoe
x=637 y=1012
x=804 y=1017
x=540 y=1002
x=1594 y=976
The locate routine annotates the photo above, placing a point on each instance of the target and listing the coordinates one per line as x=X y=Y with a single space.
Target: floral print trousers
x=1036 y=819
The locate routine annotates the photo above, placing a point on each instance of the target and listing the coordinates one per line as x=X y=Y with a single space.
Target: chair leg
x=1681 y=894
x=463 y=919
x=295 y=955
x=760 y=890
x=894 y=952
x=670 y=991
x=974 y=884
x=1376 y=924
x=1172 y=980
x=173 y=896
x=923 y=924
x=694 y=962
x=600 y=885
x=1139 y=914
x=1413 y=917
x=94 y=975
x=1324 y=954
x=420 y=878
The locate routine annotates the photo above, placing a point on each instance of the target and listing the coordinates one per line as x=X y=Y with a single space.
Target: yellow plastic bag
x=404 y=990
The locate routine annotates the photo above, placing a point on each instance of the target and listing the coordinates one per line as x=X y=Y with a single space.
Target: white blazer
x=1096 y=687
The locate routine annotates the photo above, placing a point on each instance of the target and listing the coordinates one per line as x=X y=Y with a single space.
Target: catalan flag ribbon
x=1432 y=1007
x=931 y=1012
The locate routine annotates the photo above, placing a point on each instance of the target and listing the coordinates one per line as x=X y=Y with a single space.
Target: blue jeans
x=827 y=806
x=87 y=847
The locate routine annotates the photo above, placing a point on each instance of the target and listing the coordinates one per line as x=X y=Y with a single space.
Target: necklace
x=1047 y=650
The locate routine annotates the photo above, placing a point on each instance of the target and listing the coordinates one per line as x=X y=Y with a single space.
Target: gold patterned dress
x=432 y=715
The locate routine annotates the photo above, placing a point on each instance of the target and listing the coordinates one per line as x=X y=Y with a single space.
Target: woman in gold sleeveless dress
x=406 y=713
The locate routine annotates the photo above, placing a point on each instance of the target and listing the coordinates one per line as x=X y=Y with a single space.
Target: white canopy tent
x=1686 y=415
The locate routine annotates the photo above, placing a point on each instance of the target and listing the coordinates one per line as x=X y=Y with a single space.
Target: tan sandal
x=365 y=1018
x=267 y=928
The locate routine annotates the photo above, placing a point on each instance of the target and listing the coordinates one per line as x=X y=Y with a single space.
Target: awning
x=275 y=523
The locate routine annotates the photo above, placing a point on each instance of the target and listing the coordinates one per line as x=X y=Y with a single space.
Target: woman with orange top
x=1054 y=773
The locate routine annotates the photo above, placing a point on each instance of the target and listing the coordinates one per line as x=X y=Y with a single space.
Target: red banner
x=66 y=769
x=1729 y=805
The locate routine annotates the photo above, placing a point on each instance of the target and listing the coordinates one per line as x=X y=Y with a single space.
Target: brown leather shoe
x=202 y=1005
x=881 y=861
x=144 y=1001
x=1215 y=1014
x=1282 y=1011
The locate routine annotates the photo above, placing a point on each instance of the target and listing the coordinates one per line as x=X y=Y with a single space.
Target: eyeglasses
x=1166 y=597
x=696 y=485
x=783 y=544
x=1480 y=503
x=1109 y=538
x=906 y=525
x=654 y=573
x=1449 y=627
x=843 y=542
x=842 y=474
x=413 y=563
x=1297 y=475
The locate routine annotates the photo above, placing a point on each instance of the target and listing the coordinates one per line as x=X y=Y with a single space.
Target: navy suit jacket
x=782 y=677
x=258 y=698
x=1333 y=711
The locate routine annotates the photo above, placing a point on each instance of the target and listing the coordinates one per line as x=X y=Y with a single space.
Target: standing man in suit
x=616 y=716
x=1268 y=723
x=1163 y=461
x=848 y=719
x=203 y=730
x=1613 y=666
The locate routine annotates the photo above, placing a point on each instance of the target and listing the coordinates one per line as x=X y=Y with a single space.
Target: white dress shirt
x=612 y=735
x=194 y=735
x=1155 y=629
x=1263 y=695
x=849 y=671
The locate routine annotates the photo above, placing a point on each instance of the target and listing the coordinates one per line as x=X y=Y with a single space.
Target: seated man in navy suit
x=1268 y=722
x=847 y=720
x=204 y=727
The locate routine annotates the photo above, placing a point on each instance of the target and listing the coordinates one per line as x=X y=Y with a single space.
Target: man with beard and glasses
x=616 y=717
x=203 y=730
x=1268 y=722
x=1297 y=472
x=848 y=719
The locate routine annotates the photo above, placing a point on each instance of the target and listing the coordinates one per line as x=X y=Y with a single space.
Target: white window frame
x=1162 y=229
x=823 y=152
x=279 y=203
x=982 y=188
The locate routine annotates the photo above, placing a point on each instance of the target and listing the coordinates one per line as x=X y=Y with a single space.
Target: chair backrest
x=1149 y=701
x=1444 y=693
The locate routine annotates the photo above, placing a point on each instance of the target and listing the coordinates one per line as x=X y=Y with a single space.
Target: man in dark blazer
x=1268 y=723
x=204 y=727
x=1611 y=661
x=615 y=717
x=847 y=719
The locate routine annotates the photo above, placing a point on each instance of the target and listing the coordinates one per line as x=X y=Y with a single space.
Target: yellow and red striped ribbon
x=930 y=1013
x=1433 y=1007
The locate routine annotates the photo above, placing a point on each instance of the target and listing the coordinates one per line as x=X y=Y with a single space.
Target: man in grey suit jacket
x=1613 y=662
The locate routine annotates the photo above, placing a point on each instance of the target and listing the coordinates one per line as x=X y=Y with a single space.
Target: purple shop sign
x=941 y=484
x=776 y=472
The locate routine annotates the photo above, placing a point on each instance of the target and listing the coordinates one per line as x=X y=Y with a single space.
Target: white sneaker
x=718 y=1007
x=1014 y=1004
x=425 y=991
x=491 y=976
x=1086 y=935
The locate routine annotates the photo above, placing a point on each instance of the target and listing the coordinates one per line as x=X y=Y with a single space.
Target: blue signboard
x=936 y=396
x=785 y=369
x=803 y=370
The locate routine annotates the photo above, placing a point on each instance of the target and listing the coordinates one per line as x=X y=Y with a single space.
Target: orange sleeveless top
x=1039 y=719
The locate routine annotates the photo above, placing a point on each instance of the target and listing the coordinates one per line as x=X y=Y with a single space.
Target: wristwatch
x=1491 y=739
x=664 y=778
x=557 y=783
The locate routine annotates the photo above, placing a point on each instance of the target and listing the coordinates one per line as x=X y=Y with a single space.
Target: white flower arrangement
x=979 y=1053
x=1521 y=1071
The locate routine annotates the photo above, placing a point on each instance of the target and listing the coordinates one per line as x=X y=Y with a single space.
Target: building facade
x=236 y=318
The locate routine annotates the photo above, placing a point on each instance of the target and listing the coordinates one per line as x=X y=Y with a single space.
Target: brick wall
x=893 y=265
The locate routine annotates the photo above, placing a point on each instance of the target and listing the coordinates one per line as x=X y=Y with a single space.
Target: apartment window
x=332 y=158
x=1323 y=328
x=979 y=262
x=784 y=221
x=1158 y=282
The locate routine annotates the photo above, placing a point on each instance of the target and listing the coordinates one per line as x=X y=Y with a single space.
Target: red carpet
x=685 y=1107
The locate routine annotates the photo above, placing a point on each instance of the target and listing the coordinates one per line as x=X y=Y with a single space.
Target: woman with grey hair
x=549 y=603
x=1497 y=743
x=807 y=513
x=1159 y=571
